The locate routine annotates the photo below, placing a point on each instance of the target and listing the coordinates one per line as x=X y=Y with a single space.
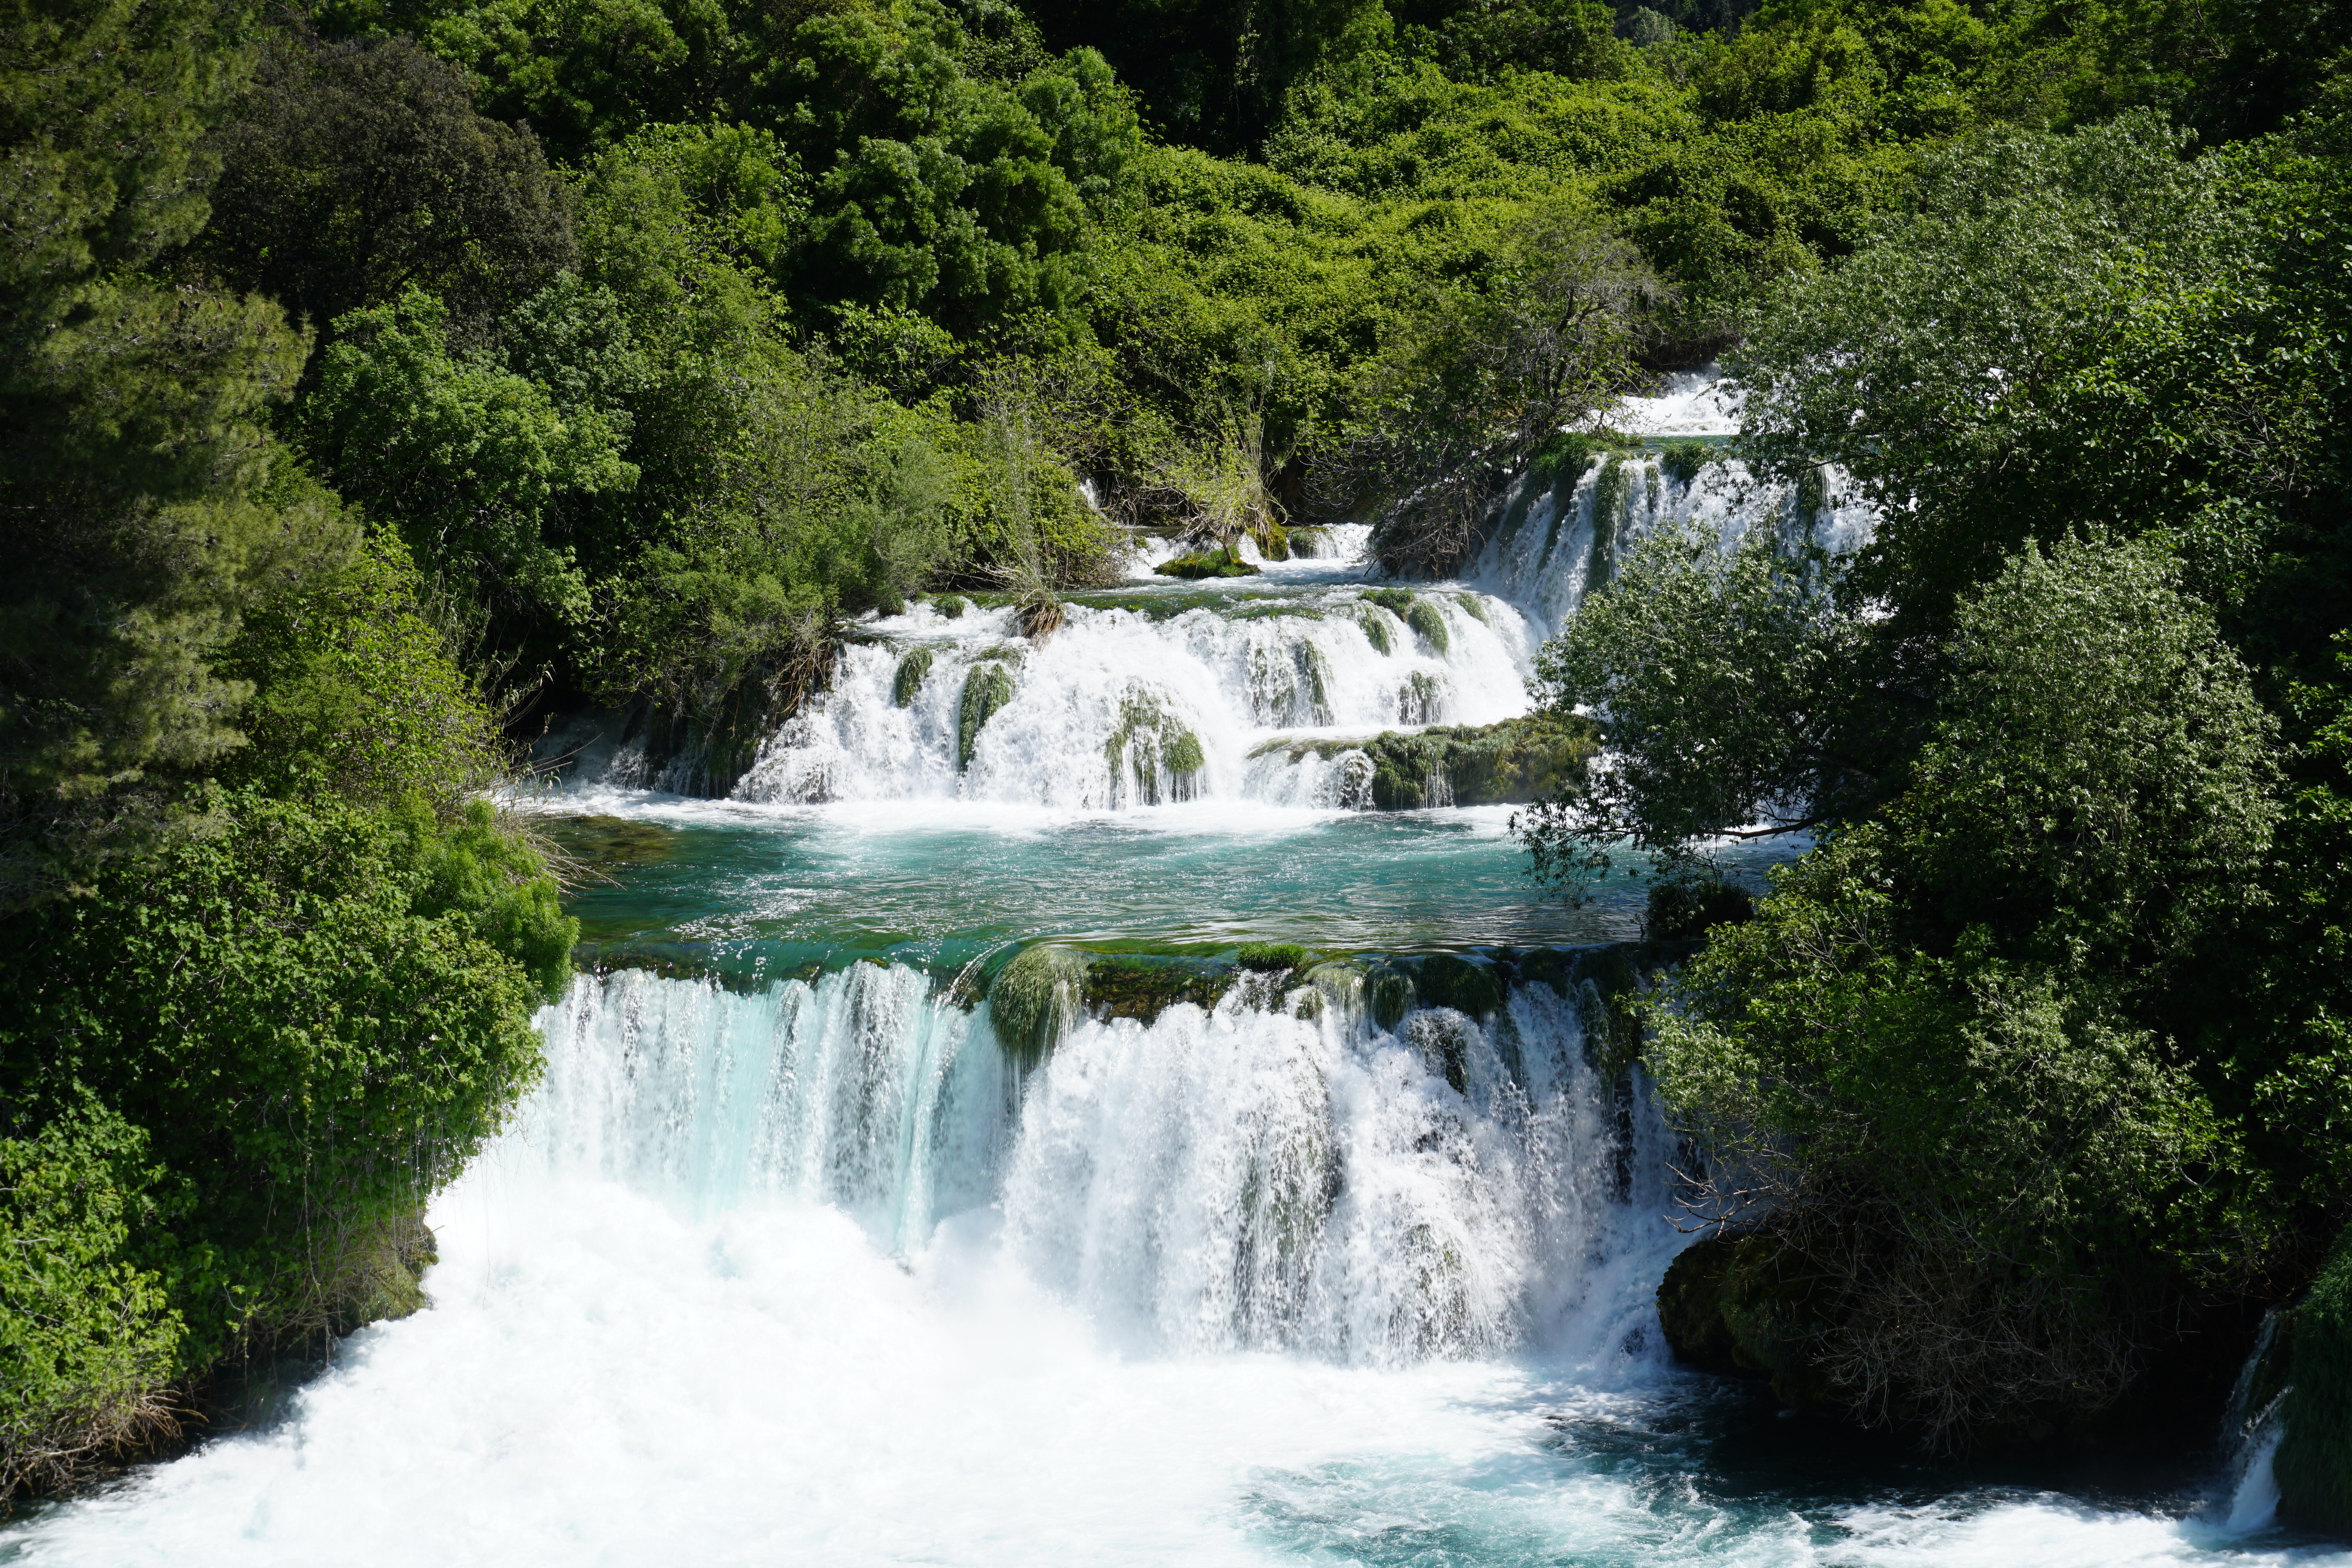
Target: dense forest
x=388 y=379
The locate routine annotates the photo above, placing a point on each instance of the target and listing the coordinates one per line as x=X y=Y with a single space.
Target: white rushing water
x=1123 y=707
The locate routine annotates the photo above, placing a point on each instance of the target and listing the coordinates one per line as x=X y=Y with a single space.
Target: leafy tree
x=140 y=498
x=1487 y=375
x=1949 y=1052
x=474 y=464
x=352 y=171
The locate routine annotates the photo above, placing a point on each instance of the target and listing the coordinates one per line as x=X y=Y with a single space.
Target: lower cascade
x=1272 y=1173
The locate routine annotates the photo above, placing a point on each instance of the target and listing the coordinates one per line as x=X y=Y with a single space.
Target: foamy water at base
x=607 y=1379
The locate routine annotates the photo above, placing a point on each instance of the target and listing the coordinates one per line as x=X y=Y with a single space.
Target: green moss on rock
x=1512 y=762
x=1748 y=1306
x=1388 y=995
x=1430 y=625
x=1376 y=631
x=1033 y=997
x=1143 y=986
x=1206 y=563
x=1273 y=958
x=909 y=678
x=1444 y=980
x=986 y=689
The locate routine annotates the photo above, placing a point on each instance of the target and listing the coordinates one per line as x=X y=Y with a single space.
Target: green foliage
x=1273 y=958
x=2117 y=842
x=145 y=509
x=1926 y=362
x=354 y=689
x=1711 y=674
x=474 y=464
x=2314 y=1463
x=352 y=173
x=314 y=1016
x=1957 y=1032
x=1680 y=907
x=87 y=1338
x=1682 y=460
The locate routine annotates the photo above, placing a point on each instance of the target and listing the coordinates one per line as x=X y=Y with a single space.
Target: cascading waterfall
x=1276 y=1172
x=1122 y=709
x=1560 y=536
x=811 y=1270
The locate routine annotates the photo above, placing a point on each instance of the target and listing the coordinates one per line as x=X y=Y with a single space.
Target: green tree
x=144 y=506
x=352 y=171
x=1954 y=1057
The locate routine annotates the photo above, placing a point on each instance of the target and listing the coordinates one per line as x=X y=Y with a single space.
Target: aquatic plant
x=909 y=679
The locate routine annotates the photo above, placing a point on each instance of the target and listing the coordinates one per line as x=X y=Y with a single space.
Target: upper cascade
x=1302 y=682
x=1159 y=693
x=1562 y=530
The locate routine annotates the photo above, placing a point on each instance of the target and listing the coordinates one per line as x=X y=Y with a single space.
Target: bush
x=88 y=1340
x=312 y=1017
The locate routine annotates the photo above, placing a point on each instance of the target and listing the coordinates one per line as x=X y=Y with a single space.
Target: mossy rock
x=1032 y=998
x=1474 y=607
x=1682 y=460
x=908 y=681
x=1749 y=1306
x=1468 y=987
x=2314 y=1463
x=611 y=840
x=1508 y=763
x=950 y=605
x=986 y=689
x=1143 y=986
x=1206 y=563
x=1376 y=631
x=1273 y=958
x=1430 y=625
x=1444 y=1042
x=1388 y=995
x=378 y=1273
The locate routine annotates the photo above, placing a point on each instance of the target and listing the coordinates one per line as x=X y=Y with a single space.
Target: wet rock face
x=1508 y=763
x=1746 y=1306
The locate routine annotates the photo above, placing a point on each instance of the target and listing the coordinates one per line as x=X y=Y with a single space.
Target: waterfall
x=1275 y=1173
x=1559 y=536
x=1129 y=706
